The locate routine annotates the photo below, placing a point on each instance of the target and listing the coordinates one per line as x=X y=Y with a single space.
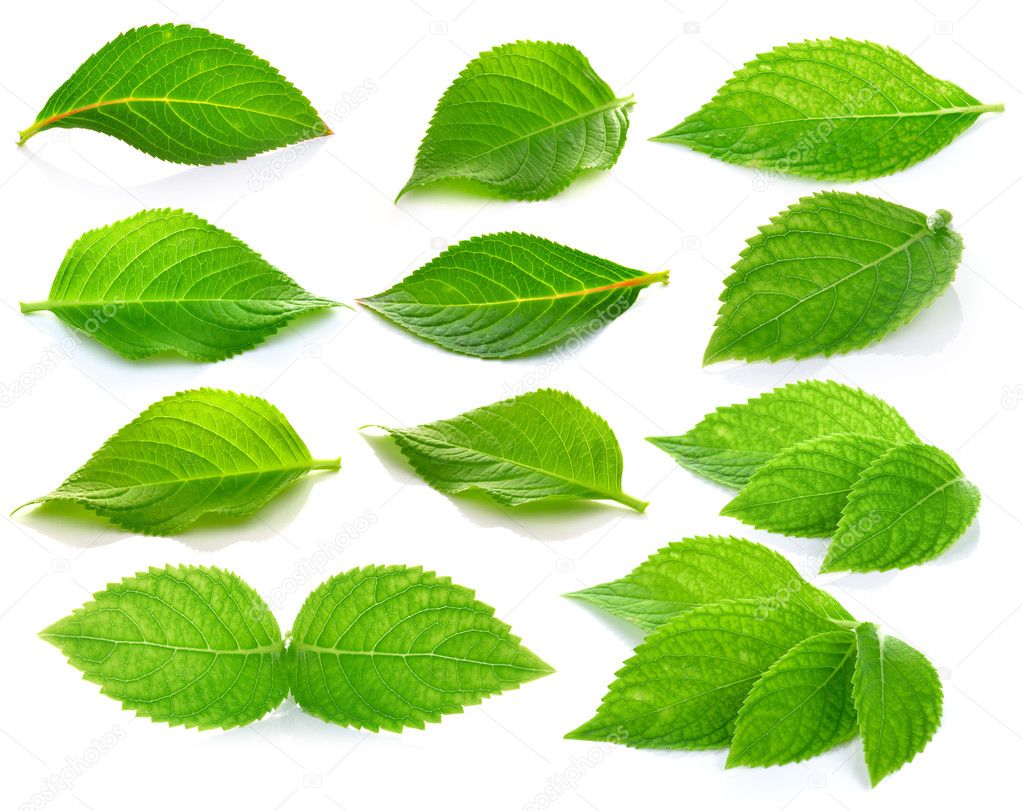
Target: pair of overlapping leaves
x=742 y=653
x=820 y=459
x=381 y=647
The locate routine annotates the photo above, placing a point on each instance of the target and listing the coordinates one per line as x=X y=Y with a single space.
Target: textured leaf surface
x=698 y=571
x=898 y=701
x=730 y=444
x=170 y=281
x=195 y=452
x=803 y=490
x=394 y=647
x=523 y=119
x=186 y=645
x=184 y=95
x=508 y=294
x=832 y=273
x=833 y=109
x=544 y=445
x=685 y=684
x=909 y=506
x=801 y=706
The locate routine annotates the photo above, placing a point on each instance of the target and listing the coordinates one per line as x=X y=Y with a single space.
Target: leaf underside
x=509 y=294
x=394 y=647
x=523 y=119
x=707 y=569
x=195 y=452
x=544 y=445
x=909 y=506
x=898 y=700
x=185 y=645
x=169 y=281
x=728 y=445
x=833 y=273
x=833 y=109
x=184 y=95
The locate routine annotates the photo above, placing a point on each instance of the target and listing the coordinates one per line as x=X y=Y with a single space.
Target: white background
x=322 y=212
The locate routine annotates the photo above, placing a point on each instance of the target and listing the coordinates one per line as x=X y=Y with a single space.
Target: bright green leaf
x=186 y=645
x=544 y=445
x=508 y=294
x=832 y=273
x=393 y=647
x=898 y=701
x=832 y=109
x=803 y=490
x=730 y=444
x=170 y=281
x=195 y=452
x=801 y=706
x=685 y=684
x=908 y=507
x=182 y=94
x=698 y=571
x=523 y=119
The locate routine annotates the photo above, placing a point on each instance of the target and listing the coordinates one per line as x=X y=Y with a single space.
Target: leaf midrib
x=64 y=304
x=311 y=648
x=312 y=464
x=612 y=495
x=636 y=281
x=275 y=647
x=45 y=122
x=970 y=109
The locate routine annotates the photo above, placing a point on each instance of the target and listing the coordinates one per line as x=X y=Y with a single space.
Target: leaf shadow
x=539 y=521
x=253 y=173
x=78 y=527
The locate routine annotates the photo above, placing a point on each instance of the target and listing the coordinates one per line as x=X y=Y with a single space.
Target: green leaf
x=195 y=452
x=523 y=119
x=388 y=647
x=685 y=684
x=541 y=446
x=898 y=701
x=186 y=645
x=698 y=571
x=832 y=273
x=908 y=507
x=509 y=294
x=730 y=444
x=802 y=706
x=832 y=109
x=803 y=490
x=167 y=280
x=182 y=94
